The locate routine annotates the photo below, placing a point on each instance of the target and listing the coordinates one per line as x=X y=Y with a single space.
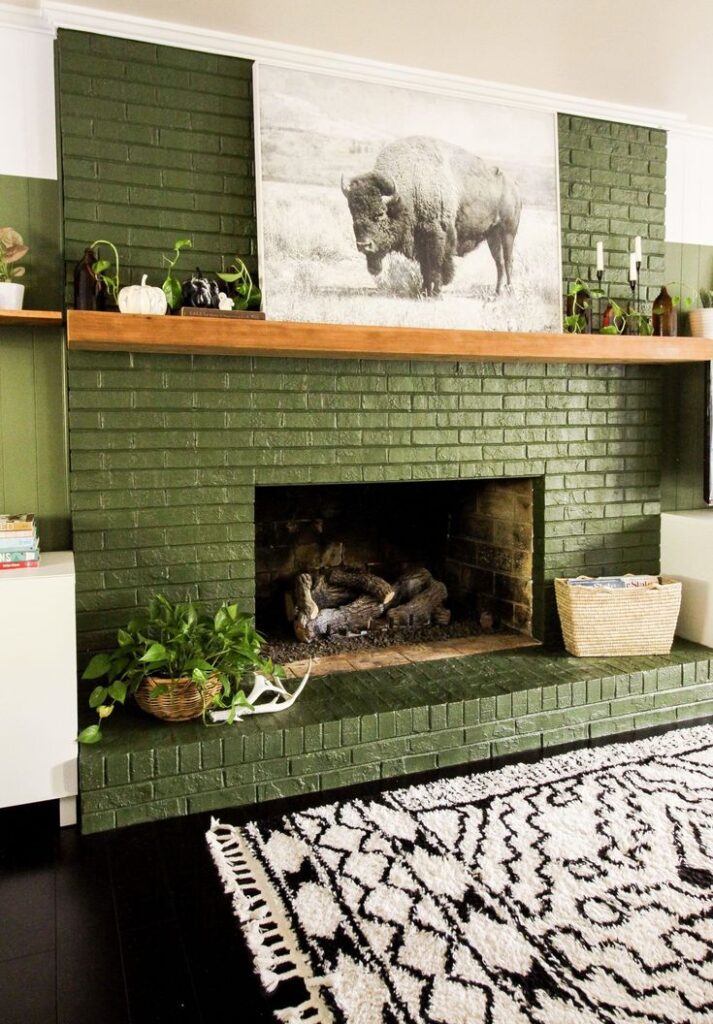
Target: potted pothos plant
x=578 y=308
x=241 y=289
x=172 y=286
x=176 y=662
x=12 y=249
x=102 y=268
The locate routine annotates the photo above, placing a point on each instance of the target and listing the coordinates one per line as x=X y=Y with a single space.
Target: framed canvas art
x=385 y=205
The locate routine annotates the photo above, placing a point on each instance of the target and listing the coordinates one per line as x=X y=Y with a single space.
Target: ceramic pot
x=12 y=294
x=701 y=321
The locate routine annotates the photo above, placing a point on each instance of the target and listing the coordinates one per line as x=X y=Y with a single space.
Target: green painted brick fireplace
x=166 y=451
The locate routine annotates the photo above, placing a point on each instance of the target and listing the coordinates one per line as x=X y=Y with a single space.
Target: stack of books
x=19 y=543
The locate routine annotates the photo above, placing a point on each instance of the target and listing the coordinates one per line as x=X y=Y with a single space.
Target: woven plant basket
x=181 y=702
x=603 y=621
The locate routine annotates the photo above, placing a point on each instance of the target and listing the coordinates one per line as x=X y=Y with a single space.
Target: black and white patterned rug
x=571 y=891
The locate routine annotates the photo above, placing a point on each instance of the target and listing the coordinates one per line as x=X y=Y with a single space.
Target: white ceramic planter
x=701 y=321
x=11 y=295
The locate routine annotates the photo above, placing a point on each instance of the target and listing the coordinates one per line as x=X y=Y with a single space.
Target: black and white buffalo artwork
x=379 y=204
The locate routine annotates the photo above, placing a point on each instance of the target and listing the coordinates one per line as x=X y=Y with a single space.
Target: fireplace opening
x=342 y=569
x=349 y=568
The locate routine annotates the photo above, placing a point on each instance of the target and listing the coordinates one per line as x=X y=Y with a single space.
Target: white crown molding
x=51 y=15
x=27 y=19
x=191 y=37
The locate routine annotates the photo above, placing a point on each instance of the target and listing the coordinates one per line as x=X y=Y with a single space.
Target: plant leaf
x=92 y=734
x=96 y=697
x=155 y=653
x=172 y=290
x=98 y=666
x=118 y=690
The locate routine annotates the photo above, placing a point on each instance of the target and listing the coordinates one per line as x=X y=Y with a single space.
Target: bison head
x=374 y=205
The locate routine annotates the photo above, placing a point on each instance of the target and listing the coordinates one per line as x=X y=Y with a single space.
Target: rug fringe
x=297 y=1014
x=265 y=932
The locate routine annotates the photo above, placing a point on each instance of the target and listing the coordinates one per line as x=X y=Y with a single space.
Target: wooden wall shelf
x=30 y=317
x=170 y=334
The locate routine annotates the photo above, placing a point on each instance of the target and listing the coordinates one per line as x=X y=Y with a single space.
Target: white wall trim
x=150 y=30
x=53 y=14
x=12 y=16
x=28 y=148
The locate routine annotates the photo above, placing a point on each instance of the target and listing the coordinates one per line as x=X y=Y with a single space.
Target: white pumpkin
x=142 y=298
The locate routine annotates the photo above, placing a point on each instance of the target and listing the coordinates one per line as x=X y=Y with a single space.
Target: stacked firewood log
x=353 y=601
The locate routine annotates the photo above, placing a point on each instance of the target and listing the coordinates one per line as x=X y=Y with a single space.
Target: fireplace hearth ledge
x=358 y=727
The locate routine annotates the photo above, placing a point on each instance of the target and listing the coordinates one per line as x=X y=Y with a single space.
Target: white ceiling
x=646 y=53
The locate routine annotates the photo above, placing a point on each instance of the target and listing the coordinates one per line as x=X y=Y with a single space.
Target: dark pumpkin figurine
x=200 y=291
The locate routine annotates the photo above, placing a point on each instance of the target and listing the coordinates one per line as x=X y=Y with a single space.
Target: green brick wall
x=166 y=450
x=612 y=188
x=156 y=145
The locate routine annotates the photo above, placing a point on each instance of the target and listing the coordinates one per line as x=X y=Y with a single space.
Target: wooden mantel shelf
x=170 y=334
x=30 y=317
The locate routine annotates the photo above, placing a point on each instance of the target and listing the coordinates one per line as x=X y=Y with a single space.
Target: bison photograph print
x=379 y=204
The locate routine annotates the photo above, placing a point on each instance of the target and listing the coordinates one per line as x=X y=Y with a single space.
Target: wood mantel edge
x=170 y=335
x=30 y=318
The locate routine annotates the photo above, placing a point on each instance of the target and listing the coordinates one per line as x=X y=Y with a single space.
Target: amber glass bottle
x=89 y=291
x=663 y=316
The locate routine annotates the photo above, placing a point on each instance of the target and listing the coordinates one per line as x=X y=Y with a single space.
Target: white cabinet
x=38 y=685
x=687 y=555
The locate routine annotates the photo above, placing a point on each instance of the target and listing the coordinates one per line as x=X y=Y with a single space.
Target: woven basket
x=180 y=702
x=603 y=621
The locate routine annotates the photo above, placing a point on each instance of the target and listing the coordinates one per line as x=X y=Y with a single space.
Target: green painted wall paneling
x=33 y=431
x=156 y=145
x=684 y=393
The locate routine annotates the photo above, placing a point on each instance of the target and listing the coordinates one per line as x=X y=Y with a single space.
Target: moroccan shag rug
x=575 y=890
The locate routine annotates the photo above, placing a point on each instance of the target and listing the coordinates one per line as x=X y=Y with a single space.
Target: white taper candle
x=600 y=257
x=637 y=248
x=632 y=266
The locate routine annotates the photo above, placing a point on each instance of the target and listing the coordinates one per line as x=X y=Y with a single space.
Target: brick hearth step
x=354 y=727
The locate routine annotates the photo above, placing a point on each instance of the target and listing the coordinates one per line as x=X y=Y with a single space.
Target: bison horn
x=345 y=188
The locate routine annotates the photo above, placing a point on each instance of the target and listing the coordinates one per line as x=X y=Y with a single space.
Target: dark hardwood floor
x=132 y=926
x=128 y=926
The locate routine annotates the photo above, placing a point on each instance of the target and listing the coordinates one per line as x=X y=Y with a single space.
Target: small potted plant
x=701 y=318
x=177 y=661
x=12 y=249
x=578 y=311
x=172 y=286
x=240 y=287
x=112 y=282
